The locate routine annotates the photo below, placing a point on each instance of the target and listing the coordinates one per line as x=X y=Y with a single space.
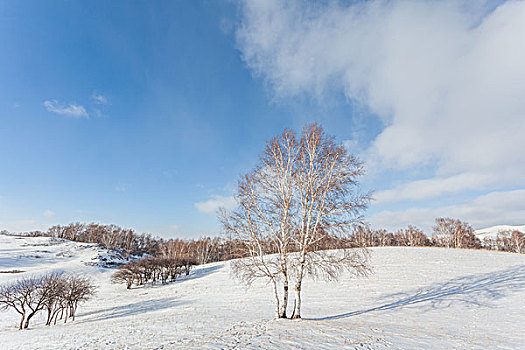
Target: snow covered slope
x=417 y=298
x=492 y=232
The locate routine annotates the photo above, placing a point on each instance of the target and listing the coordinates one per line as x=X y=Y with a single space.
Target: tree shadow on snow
x=130 y=309
x=476 y=290
x=199 y=273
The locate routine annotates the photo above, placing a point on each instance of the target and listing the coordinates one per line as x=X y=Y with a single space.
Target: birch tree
x=303 y=192
x=264 y=216
x=455 y=233
x=329 y=204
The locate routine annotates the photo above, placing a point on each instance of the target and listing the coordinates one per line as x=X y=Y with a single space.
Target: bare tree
x=12 y=296
x=329 y=204
x=363 y=236
x=384 y=238
x=517 y=241
x=453 y=233
x=54 y=292
x=77 y=290
x=263 y=218
x=27 y=297
x=510 y=241
x=56 y=283
x=411 y=237
x=302 y=196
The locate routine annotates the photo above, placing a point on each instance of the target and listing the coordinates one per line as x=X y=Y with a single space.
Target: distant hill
x=492 y=231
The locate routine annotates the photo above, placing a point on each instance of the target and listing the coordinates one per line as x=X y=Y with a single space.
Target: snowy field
x=417 y=298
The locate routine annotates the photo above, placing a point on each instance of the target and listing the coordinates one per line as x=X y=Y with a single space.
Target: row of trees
x=364 y=236
x=152 y=270
x=447 y=232
x=56 y=293
x=203 y=250
x=507 y=241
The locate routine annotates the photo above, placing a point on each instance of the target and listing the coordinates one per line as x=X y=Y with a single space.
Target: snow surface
x=417 y=298
x=492 y=232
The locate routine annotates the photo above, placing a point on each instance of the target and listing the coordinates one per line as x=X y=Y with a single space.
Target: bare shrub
x=152 y=270
x=54 y=292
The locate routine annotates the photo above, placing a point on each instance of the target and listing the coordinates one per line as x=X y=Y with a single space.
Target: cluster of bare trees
x=447 y=233
x=454 y=233
x=203 y=250
x=56 y=293
x=302 y=196
x=364 y=236
x=507 y=241
x=152 y=270
x=109 y=236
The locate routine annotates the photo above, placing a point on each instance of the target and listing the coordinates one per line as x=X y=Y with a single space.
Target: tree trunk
x=22 y=320
x=49 y=313
x=284 y=306
x=28 y=319
x=297 y=311
x=276 y=295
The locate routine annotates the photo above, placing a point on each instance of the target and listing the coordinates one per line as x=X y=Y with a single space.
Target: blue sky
x=144 y=114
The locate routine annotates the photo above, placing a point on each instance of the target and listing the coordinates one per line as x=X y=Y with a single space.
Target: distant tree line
x=447 y=233
x=203 y=250
x=57 y=294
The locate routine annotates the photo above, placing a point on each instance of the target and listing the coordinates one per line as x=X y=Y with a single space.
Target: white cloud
x=212 y=205
x=496 y=208
x=446 y=78
x=71 y=110
x=48 y=213
x=430 y=188
x=99 y=99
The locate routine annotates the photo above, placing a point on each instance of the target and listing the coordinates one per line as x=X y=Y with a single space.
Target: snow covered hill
x=431 y=298
x=492 y=232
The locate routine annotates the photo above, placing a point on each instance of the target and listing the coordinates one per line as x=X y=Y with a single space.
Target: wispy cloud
x=99 y=99
x=71 y=110
x=495 y=208
x=211 y=206
x=435 y=187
